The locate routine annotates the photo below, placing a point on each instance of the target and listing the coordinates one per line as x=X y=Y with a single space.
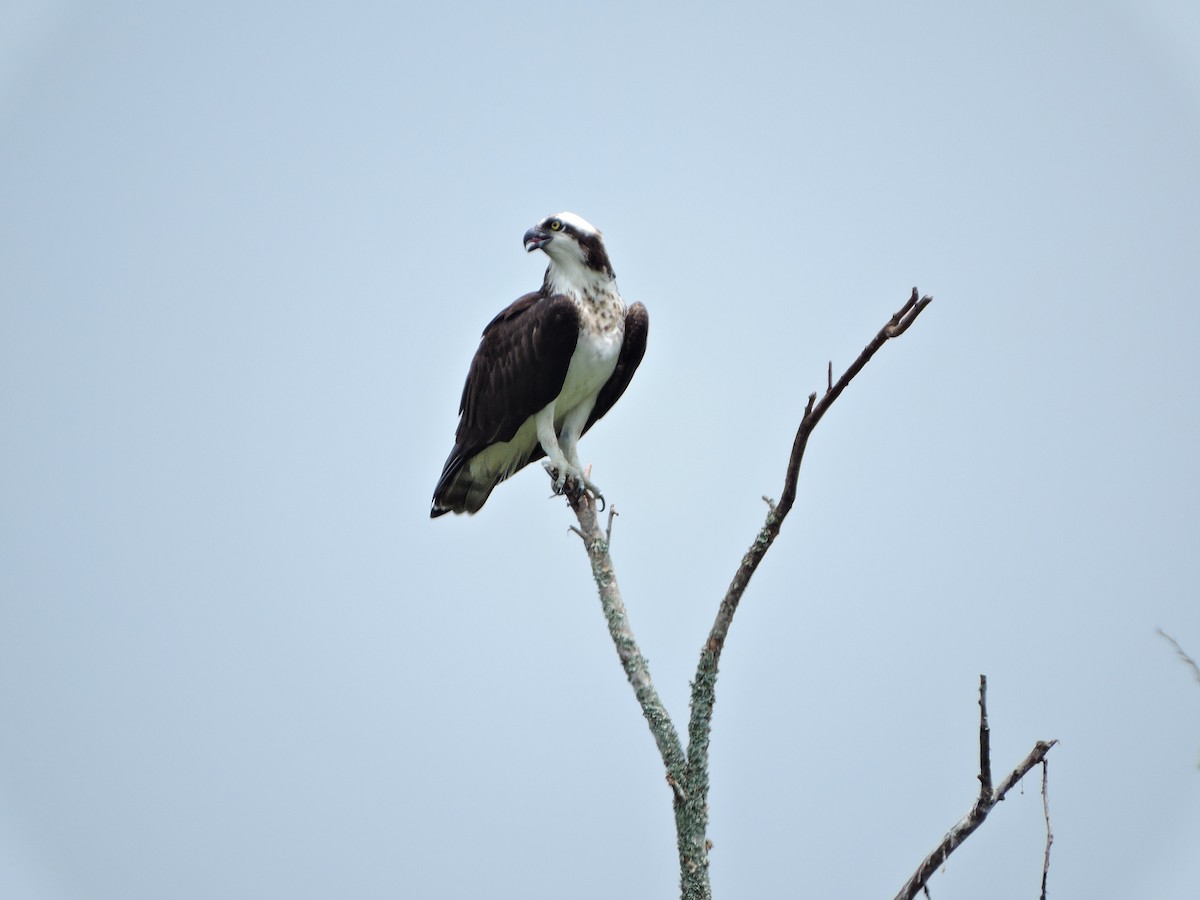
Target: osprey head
x=570 y=241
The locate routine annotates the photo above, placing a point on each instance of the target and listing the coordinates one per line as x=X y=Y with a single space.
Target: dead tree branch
x=596 y=540
x=1049 y=830
x=987 y=799
x=687 y=774
x=814 y=411
x=1187 y=660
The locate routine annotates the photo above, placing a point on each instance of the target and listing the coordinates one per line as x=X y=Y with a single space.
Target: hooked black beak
x=536 y=239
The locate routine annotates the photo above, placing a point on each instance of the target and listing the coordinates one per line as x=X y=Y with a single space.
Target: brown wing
x=520 y=366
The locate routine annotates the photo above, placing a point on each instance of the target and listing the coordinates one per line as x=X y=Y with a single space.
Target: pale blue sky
x=245 y=255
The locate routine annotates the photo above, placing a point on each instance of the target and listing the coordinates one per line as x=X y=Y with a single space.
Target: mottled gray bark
x=687 y=772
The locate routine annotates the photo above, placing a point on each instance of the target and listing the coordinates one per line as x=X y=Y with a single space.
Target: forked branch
x=987 y=799
x=687 y=773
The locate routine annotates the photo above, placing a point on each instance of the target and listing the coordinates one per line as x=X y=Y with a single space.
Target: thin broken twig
x=1182 y=653
x=982 y=806
x=1049 y=830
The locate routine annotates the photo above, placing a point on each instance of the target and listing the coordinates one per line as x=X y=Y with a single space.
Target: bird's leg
x=557 y=463
x=568 y=441
x=562 y=459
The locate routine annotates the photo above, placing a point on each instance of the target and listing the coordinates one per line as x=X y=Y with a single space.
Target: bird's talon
x=577 y=480
x=586 y=485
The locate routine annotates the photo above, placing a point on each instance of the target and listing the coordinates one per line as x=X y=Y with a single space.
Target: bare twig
x=1049 y=830
x=814 y=411
x=908 y=315
x=1182 y=654
x=985 y=745
x=983 y=804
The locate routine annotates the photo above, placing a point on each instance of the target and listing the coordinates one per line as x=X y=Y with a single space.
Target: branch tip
x=907 y=315
x=813 y=412
x=985 y=745
x=1187 y=660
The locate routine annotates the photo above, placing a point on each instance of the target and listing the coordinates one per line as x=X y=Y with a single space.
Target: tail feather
x=458 y=491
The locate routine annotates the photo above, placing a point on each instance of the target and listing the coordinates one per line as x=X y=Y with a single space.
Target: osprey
x=548 y=368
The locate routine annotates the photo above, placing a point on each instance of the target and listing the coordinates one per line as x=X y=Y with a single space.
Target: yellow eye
x=556 y=225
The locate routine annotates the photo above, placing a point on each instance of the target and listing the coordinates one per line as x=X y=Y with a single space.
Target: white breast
x=592 y=365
